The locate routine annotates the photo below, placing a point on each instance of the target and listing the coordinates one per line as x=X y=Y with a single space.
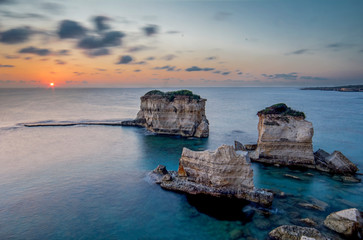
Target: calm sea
x=90 y=182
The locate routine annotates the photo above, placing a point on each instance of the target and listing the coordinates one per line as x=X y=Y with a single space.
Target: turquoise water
x=90 y=182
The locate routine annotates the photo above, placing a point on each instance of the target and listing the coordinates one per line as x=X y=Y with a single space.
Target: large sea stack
x=284 y=137
x=222 y=173
x=172 y=113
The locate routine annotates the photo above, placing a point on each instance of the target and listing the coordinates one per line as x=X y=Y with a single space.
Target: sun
x=51 y=84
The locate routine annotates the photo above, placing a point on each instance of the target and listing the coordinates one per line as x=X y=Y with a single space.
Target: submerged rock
x=284 y=137
x=173 y=113
x=222 y=173
x=292 y=176
x=348 y=222
x=293 y=232
x=335 y=163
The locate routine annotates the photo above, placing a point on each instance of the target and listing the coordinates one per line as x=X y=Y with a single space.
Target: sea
x=91 y=182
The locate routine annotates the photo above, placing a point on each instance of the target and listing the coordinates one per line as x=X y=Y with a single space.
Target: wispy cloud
x=168 y=57
x=286 y=76
x=6 y=66
x=195 y=69
x=36 y=51
x=168 y=68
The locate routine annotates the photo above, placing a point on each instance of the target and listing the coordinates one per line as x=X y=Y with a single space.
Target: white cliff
x=173 y=113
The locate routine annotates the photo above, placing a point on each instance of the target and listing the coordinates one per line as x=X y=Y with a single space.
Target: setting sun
x=51 y=84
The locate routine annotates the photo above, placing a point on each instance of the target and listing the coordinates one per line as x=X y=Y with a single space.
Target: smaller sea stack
x=284 y=137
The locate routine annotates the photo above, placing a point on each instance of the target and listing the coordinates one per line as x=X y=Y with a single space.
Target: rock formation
x=348 y=222
x=173 y=113
x=222 y=173
x=335 y=163
x=284 y=137
x=293 y=232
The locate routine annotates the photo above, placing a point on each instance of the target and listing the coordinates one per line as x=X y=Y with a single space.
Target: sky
x=170 y=43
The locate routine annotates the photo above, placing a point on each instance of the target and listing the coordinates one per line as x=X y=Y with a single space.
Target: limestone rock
x=172 y=113
x=238 y=146
x=223 y=173
x=335 y=163
x=293 y=232
x=348 y=222
x=284 y=137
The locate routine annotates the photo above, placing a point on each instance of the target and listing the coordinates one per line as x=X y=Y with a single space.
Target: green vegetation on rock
x=171 y=95
x=282 y=109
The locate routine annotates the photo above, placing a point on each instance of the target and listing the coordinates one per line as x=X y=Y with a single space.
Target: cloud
x=286 y=76
x=100 y=22
x=300 y=51
x=195 y=68
x=15 y=35
x=6 y=66
x=221 y=16
x=9 y=14
x=210 y=58
x=11 y=56
x=172 y=32
x=59 y=62
x=76 y=82
x=98 y=52
x=78 y=73
x=125 y=59
x=225 y=73
x=169 y=57
x=53 y=8
x=101 y=69
x=137 y=70
x=150 y=29
x=339 y=46
x=6 y=1
x=140 y=63
x=71 y=29
x=313 y=78
x=109 y=39
x=137 y=48
x=36 y=51
x=63 y=52
x=168 y=68
x=150 y=58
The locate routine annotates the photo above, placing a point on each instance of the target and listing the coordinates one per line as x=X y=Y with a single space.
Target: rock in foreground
x=293 y=232
x=284 y=137
x=173 y=113
x=348 y=222
x=335 y=163
x=222 y=173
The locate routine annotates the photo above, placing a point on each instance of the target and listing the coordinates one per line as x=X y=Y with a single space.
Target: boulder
x=239 y=146
x=348 y=222
x=293 y=232
x=222 y=173
x=172 y=113
x=284 y=137
x=335 y=163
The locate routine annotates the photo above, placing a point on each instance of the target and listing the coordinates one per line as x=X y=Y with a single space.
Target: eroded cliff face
x=284 y=140
x=222 y=173
x=182 y=115
x=222 y=168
